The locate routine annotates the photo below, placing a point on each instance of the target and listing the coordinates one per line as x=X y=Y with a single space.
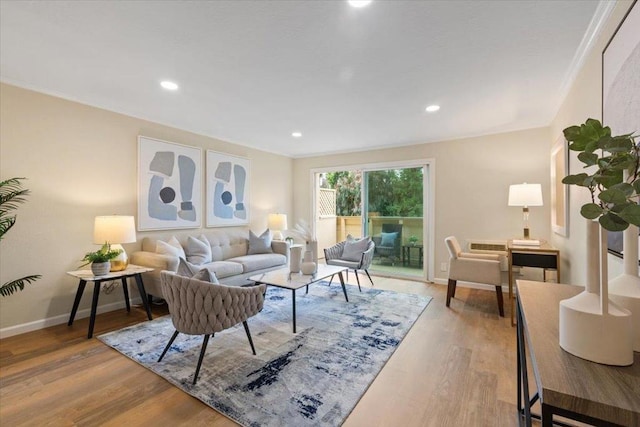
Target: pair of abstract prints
x=170 y=187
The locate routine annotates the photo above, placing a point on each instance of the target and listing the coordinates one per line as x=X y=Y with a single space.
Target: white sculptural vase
x=313 y=247
x=308 y=266
x=624 y=290
x=295 y=259
x=591 y=326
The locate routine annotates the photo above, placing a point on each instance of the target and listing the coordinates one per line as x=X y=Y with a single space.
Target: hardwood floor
x=456 y=367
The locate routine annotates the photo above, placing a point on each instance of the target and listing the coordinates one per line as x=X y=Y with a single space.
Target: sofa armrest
x=281 y=247
x=157 y=261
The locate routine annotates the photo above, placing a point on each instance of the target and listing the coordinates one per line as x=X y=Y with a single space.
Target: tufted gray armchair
x=333 y=256
x=203 y=308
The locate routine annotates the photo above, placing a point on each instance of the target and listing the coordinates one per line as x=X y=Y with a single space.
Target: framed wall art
x=169 y=185
x=228 y=195
x=559 y=191
x=621 y=88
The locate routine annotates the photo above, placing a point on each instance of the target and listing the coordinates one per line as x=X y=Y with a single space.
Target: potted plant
x=11 y=195
x=614 y=194
x=413 y=240
x=591 y=326
x=100 y=260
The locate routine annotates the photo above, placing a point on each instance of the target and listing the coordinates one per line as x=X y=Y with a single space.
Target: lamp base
x=120 y=262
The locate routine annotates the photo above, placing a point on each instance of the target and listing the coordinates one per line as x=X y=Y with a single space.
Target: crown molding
x=602 y=13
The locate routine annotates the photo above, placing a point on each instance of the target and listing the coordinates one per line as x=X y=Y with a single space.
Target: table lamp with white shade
x=114 y=230
x=525 y=195
x=277 y=223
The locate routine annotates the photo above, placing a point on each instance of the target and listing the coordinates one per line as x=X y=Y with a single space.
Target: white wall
x=80 y=162
x=583 y=101
x=472 y=183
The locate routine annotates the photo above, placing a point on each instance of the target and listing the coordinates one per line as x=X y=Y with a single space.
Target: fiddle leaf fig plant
x=615 y=196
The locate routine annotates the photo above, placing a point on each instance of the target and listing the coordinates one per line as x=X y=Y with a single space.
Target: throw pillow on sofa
x=260 y=244
x=172 y=247
x=353 y=249
x=186 y=270
x=198 y=250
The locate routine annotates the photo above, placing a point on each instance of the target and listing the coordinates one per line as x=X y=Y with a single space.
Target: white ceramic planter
x=624 y=290
x=592 y=327
x=295 y=259
x=100 y=268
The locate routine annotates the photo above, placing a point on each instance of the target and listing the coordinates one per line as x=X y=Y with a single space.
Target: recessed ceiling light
x=296 y=134
x=169 y=85
x=359 y=3
x=432 y=108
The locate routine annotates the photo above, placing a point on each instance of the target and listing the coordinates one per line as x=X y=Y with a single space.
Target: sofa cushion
x=172 y=247
x=186 y=269
x=353 y=249
x=198 y=250
x=223 y=269
x=206 y=275
x=260 y=244
x=258 y=262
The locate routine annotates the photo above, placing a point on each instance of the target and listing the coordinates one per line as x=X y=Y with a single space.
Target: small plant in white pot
x=591 y=326
x=100 y=260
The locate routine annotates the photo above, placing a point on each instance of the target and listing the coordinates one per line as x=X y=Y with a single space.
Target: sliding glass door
x=393 y=215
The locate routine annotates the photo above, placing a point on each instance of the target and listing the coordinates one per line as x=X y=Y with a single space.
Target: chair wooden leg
x=175 y=334
x=451 y=290
x=202 y=350
x=500 y=300
x=246 y=329
x=358 y=279
x=369 y=276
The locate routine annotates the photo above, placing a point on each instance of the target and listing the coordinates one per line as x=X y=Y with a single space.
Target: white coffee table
x=284 y=279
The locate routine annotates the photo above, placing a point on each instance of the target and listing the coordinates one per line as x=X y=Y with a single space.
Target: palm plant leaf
x=18 y=284
x=11 y=196
x=5 y=224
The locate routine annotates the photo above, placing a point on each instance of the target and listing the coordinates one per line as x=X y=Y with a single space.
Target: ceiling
x=253 y=72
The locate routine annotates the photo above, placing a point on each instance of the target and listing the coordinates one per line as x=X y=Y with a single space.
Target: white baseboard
x=63 y=318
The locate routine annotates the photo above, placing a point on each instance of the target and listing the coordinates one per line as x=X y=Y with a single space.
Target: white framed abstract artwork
x=559 y=191
x=227 y=189
x=621 y=89
x=169 y=185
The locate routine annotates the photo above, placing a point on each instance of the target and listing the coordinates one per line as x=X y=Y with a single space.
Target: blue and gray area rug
x=312 y=378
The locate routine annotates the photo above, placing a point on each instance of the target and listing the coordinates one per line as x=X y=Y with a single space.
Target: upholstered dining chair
x=353 y=254
x=477 y=268
x=202 y=308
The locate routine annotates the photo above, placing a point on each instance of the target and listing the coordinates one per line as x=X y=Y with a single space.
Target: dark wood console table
x=542 y=256
x=567 y=386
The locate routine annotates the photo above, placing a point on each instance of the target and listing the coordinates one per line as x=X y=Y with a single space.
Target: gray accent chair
x=471 y=267
x=203 y=308
x=333 y=255
x=389 y=251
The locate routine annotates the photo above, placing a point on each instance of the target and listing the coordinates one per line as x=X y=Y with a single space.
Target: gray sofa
x=231 y=261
